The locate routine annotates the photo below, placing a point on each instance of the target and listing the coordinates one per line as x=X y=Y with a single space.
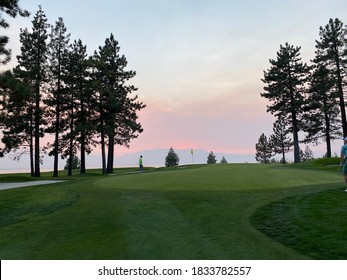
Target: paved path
x=5 y=186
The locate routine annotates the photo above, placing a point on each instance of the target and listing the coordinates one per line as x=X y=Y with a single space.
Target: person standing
x=140 y=165
x=343 y=158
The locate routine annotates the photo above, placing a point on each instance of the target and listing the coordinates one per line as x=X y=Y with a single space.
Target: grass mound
x=327 y=164
x=314 y=224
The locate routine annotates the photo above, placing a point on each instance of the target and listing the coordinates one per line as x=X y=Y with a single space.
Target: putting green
x=222 y=177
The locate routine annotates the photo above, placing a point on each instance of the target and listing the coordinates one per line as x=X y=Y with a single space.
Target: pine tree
x=223 y=160
x=118 y=115
x=331 y=52
x=100 y=99
x=32 y=69
x=75 y=163
x=86 y=120
x=11 y=8
x=78 y=96
x=285 y=89
x=263 y=150
x=211 y=158
x=84 y=103
x=172 y=158
x=321 y=109
x=307 y=154
x=279 y=141
x=58 y=50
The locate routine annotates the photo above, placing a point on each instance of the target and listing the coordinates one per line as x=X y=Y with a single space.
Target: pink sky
x=199 y=63
x=219 y=123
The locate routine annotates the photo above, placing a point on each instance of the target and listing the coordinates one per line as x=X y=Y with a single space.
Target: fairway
x=223 y=211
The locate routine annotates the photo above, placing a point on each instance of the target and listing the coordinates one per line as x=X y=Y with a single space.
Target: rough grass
x=196 y=212
x=14 y=178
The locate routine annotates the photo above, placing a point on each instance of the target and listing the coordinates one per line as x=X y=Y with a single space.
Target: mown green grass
x=195 y=212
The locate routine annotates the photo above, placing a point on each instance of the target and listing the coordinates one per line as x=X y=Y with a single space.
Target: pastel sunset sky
x=199 y=63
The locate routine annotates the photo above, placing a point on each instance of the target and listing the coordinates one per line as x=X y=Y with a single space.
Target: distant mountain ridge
x=156 y=157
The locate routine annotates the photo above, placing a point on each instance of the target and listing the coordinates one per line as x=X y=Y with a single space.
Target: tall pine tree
x=321 y=109
x=118 y=115
x=331 y=52
x=58 y=50
x=77 y=117
x=32 y=69
x=85 y=105
x=285 y=87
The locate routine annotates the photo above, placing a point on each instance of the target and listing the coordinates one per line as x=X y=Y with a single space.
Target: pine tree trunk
x=32 y=170
x=327 y=128
x=110 y=156
x=340 y=90
x=69 y=173
x=294 y=122
x=102 y=140
x=328 y=146
x=103 y=152
x=37 y=132
x=283 y=154
x=341 y=99
x=83 y=155
x=57 y=125
x=295 y=132
x=83 y=141
x=56 y=140
x=296 y=140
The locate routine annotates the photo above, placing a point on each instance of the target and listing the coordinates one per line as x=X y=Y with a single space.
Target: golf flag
x=191 y=151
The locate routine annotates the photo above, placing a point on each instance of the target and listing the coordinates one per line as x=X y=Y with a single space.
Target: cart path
x=6 y=186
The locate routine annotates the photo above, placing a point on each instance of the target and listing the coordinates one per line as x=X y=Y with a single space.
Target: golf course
x=216 y=211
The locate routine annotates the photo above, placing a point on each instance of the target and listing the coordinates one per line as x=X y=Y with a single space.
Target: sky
x=199 y=63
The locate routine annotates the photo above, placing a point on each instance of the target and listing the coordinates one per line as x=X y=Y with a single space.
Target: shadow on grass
x=312 y=224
